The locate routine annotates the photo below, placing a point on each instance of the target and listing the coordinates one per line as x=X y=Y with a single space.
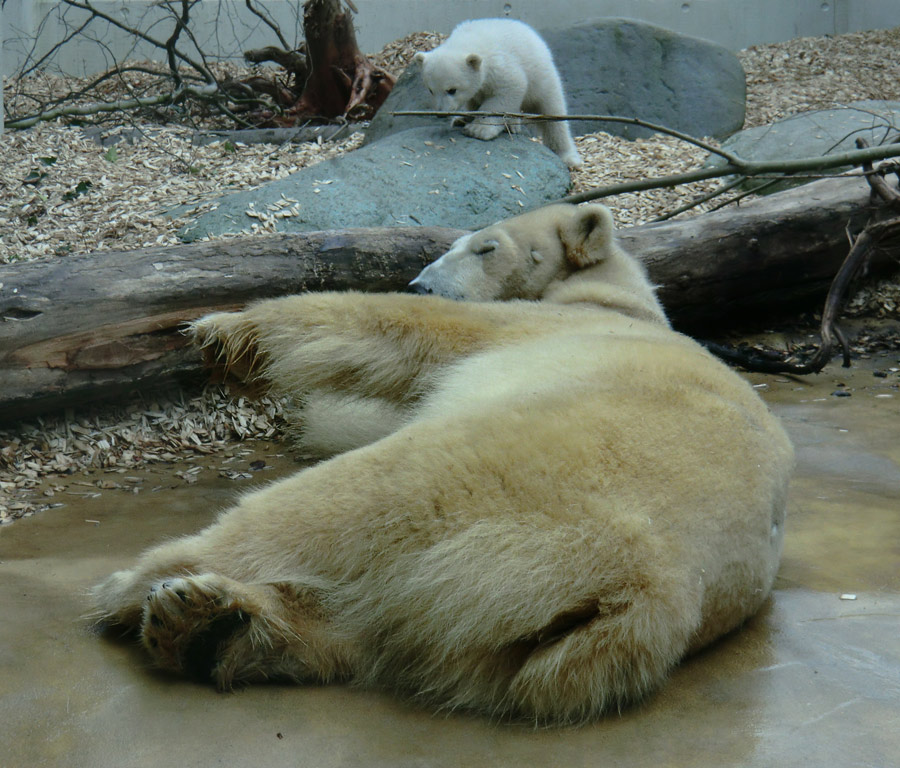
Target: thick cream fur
x=499 y=65
x=560 y=496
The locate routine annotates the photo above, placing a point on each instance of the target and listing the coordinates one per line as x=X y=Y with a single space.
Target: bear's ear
x=474 y=61
x=588 y=235
x=419 y=57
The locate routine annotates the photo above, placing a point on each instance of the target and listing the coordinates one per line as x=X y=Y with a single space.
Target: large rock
x=814 y=134
x=426 y=176
x=618 y=67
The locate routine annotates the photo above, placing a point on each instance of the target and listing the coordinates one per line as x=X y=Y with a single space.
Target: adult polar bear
x=572 y=498
x=499 y=65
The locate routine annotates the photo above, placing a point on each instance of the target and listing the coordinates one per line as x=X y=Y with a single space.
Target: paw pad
x=187 y=623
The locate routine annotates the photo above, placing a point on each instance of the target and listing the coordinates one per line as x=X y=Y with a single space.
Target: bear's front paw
x=572 y=159
x=483 y=131
x=189 y=622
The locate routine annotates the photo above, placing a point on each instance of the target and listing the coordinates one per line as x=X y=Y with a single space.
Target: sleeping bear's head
x=519 y=258
x=454 y=79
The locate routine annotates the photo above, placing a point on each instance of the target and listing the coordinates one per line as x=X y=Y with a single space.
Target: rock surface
x=618 y=67
x=811 y=134
x=428 y=175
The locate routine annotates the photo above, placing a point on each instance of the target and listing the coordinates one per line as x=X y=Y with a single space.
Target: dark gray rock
x=618 y=67
x=409 y=93
x=814 y=134
x=633 y=69
x=426 y=176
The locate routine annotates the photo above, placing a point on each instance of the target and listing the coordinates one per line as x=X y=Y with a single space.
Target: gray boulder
x=426 y=176
x=618 y=67
x=409 y=93
x=814 y=134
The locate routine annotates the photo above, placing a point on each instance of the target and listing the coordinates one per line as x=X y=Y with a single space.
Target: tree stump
x=333 y=77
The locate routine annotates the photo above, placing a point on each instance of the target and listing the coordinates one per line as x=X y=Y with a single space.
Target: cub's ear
x=420 y=57
x=588 y=236
x=474 y=61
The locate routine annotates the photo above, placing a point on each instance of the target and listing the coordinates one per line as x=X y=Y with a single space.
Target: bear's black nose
x=415 y=287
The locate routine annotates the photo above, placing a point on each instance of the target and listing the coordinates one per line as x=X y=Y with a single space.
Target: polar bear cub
x=499 y=65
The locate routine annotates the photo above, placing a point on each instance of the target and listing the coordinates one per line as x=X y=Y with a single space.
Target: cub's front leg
x=508 y=99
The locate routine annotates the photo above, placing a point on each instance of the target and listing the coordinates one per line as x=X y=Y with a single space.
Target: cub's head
x=453 y=79
x=520 y=258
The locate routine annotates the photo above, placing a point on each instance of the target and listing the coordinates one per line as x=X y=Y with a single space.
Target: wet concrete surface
x=813 y=680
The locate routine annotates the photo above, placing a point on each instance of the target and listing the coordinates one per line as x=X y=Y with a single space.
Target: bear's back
x=509 y=36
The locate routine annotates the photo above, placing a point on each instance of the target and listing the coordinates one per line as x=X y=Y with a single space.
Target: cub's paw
x=572 y=159
x=483 y=131
x=189 y=624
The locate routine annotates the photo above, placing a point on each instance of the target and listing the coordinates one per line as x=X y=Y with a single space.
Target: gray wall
x=225 y=28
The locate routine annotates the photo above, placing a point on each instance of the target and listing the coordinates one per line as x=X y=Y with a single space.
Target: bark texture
x=329 y=77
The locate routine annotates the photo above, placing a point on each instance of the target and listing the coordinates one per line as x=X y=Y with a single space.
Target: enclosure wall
x=226 y=28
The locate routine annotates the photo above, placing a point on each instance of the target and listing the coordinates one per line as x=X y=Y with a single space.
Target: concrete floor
x=814 y=680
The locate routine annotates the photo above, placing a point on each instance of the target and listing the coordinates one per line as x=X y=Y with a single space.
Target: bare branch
x=876 y=180
x=93 y=109
x=530 y=117
x=829 y=331
x=86 y=6
x=735 y=165
x=347 y=82
x=180 y=24
x=717 y=192
x=50 y=53
x=266 y=20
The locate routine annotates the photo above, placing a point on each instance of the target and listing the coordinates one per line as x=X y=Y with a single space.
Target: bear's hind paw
x=189 y=623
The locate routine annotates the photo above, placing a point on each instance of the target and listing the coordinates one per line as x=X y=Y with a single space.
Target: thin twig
x=529 y=117
x=735 y=165
x=700 y=200
x=86 y=6
x=745 y=168
x=50 y=53
x=268 y=21
x=747 y=193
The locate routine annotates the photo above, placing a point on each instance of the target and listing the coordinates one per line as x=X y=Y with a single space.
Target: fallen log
x=773 y=255
x=93 y=326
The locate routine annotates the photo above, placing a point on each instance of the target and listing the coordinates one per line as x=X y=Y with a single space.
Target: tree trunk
x=336 y=79
x=91 y=326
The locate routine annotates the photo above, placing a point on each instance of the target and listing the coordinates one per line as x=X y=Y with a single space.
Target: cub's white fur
x=499 y=65
x=543 y=505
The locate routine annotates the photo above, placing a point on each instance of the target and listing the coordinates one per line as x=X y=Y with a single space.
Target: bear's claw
x=188 y=621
